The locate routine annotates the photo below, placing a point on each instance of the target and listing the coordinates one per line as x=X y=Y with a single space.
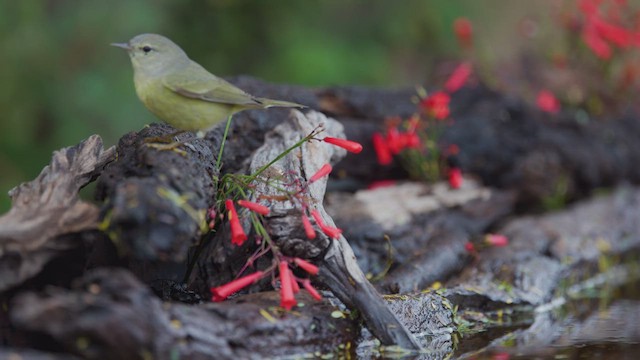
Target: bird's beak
x=122 y=46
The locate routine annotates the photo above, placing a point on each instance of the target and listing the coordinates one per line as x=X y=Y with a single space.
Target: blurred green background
x=61 y=82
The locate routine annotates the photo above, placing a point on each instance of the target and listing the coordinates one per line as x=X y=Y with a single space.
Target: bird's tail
x=267 y=103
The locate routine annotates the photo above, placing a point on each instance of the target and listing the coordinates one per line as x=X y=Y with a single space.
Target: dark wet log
x=25 y=354
x=502 y=139
x=109 y=314
x=156 y=200
x=48 y=207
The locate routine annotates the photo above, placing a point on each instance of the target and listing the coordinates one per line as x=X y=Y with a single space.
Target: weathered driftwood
x=544 y=249
x=48 y=207
x=426 y=226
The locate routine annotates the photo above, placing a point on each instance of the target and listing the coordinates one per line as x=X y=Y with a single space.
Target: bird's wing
x=197 y=83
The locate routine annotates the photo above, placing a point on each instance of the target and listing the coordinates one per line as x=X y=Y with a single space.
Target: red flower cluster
x=600 y=32
x=289 y=283
x=394 y=141
x=437 y=105
x=412 y=135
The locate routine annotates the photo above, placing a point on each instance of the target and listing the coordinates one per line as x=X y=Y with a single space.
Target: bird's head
x=152 y=53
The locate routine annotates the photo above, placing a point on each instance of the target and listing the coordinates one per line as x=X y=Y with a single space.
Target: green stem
x=283 y=154
x=218 y=161
x=224 y=138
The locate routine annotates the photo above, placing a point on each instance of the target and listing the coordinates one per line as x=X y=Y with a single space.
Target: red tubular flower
x=496 y=240
x=458 y=78
x=287 y=300
x=222 y=292
x=470 y=247
x=412 y=140
x=453 y=149
x=330 y=231
x=348 y=145
x=238 y=236
x=618 y=35
x=255 y=207
x=455 y=178
x=595 y=42
x=437 y=105
x=547 y=102
x=394 y=140
x=308 y=228
x=312 y=291
x=464 y=32
x=306 y=266
x=322 y=172
x=294 y=284
x=381 y=184
x=501 y=356
x=589 y=7
x=382 y=150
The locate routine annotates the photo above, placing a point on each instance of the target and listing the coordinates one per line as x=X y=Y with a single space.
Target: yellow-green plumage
x=181 y=92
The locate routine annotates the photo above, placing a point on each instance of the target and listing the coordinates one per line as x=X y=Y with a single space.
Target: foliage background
x=61 y=82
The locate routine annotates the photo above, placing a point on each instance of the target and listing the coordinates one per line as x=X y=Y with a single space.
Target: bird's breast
x=179 y=111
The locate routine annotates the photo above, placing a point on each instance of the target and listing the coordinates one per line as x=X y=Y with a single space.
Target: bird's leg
x=167 y=142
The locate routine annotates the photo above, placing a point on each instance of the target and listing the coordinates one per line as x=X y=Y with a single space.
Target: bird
x=180 y=91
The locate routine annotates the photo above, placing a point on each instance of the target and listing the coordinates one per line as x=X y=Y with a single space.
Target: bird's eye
x=146 y=49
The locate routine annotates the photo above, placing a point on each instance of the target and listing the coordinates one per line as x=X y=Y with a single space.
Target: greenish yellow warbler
x=181 y=92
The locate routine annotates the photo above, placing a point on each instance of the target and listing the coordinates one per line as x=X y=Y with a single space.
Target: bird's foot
x=167 y=139
x=173 y=146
